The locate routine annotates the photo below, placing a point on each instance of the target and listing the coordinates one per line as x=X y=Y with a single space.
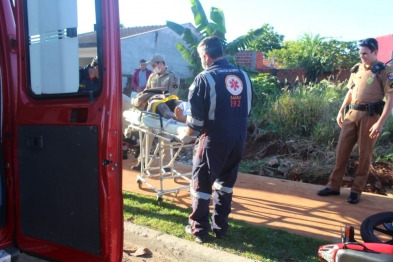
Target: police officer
x=162 y=80
x=88 y=76
x=220 y=102
x=369 y=83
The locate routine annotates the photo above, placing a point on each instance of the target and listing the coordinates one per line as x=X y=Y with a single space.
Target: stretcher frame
x=166 y=140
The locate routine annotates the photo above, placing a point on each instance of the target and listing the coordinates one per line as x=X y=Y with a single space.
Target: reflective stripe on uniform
x=213 y=94
x=222 y=188
x=249 y=91
x=200 y=195
x=194 y=121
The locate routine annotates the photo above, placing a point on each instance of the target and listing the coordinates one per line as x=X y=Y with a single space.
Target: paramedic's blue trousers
x=215 y=164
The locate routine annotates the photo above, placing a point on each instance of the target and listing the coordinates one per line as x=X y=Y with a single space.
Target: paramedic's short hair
x=212 y=46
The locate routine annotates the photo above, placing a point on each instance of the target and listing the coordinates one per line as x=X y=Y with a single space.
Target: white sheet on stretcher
x=178 y=129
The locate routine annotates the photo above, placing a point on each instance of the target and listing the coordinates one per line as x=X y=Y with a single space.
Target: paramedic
x=220 y=102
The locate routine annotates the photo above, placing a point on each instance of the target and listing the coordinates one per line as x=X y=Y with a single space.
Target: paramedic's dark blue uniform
x=220 y=102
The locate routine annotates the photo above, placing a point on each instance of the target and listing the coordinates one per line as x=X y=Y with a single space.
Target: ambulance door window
x=61 y=43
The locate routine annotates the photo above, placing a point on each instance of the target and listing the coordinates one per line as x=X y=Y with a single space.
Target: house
x=141 y=43
x=385 y=46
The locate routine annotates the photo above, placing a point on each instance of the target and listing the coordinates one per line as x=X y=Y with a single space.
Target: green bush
x=266 y=92
x=305 y=111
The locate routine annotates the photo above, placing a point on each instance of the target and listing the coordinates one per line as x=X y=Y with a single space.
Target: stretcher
x=171 y=137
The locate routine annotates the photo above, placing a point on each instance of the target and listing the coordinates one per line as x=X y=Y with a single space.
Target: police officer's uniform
x=367 y=88
x=220 y=102
x=168 y=79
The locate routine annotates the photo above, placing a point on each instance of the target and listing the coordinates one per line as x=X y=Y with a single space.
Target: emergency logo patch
x=175 y=78
x=234 y=84
x=175 y=85
x=391 y=85
x=369 y=80
x=390 y=76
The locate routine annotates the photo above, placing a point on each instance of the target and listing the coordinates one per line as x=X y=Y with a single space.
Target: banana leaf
x=217 y=16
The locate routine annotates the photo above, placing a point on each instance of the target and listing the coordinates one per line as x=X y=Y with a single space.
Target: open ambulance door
x=61 y=187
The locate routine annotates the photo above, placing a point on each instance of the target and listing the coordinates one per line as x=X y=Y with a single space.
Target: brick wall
x=255 y=60
x=290 y=75
x=251 y=59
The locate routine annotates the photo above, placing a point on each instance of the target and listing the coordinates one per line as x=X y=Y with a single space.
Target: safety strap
x=157 y=103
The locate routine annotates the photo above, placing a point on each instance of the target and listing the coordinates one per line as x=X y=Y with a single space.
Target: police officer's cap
x=155 y=59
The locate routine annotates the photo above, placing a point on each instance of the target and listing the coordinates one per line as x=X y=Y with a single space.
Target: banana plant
x=205 y=28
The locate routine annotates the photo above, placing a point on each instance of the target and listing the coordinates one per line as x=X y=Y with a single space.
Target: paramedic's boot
x=198 y=239
x=218 y=234
x=137 y=167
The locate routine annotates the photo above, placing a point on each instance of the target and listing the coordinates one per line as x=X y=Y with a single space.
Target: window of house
x=62 y=41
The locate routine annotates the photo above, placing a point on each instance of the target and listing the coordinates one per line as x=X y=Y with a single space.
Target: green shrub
x=304 y=111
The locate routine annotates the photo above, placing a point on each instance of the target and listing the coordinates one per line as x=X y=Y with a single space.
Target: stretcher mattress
x=144 y=120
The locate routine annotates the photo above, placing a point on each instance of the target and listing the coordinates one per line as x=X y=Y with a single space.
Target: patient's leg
x=164 y=110
x=179 y=114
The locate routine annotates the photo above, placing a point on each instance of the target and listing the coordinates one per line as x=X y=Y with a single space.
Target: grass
x=254 y=242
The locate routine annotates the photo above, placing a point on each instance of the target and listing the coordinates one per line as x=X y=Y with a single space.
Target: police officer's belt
x=359 y=107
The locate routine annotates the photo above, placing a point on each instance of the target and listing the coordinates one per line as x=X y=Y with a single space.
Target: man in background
x=139 y=79
x=88 y=76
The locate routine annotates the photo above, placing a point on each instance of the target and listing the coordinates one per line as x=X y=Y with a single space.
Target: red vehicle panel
x=61 y=163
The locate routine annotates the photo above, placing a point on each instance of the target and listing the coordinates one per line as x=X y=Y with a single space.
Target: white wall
x=144 y=46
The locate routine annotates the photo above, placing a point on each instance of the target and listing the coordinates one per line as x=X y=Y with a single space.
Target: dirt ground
x=308 y=163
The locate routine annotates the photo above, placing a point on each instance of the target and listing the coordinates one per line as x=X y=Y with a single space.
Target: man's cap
x=155 y=59
x=142 y=61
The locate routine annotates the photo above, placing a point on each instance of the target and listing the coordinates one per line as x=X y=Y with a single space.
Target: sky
x=344 y=20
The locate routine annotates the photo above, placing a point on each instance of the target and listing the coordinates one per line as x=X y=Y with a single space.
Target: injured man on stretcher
x=169 y=107
x=173 y=111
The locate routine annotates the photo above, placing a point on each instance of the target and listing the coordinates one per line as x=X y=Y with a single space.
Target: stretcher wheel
x=159 y=201
x=139 y=183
